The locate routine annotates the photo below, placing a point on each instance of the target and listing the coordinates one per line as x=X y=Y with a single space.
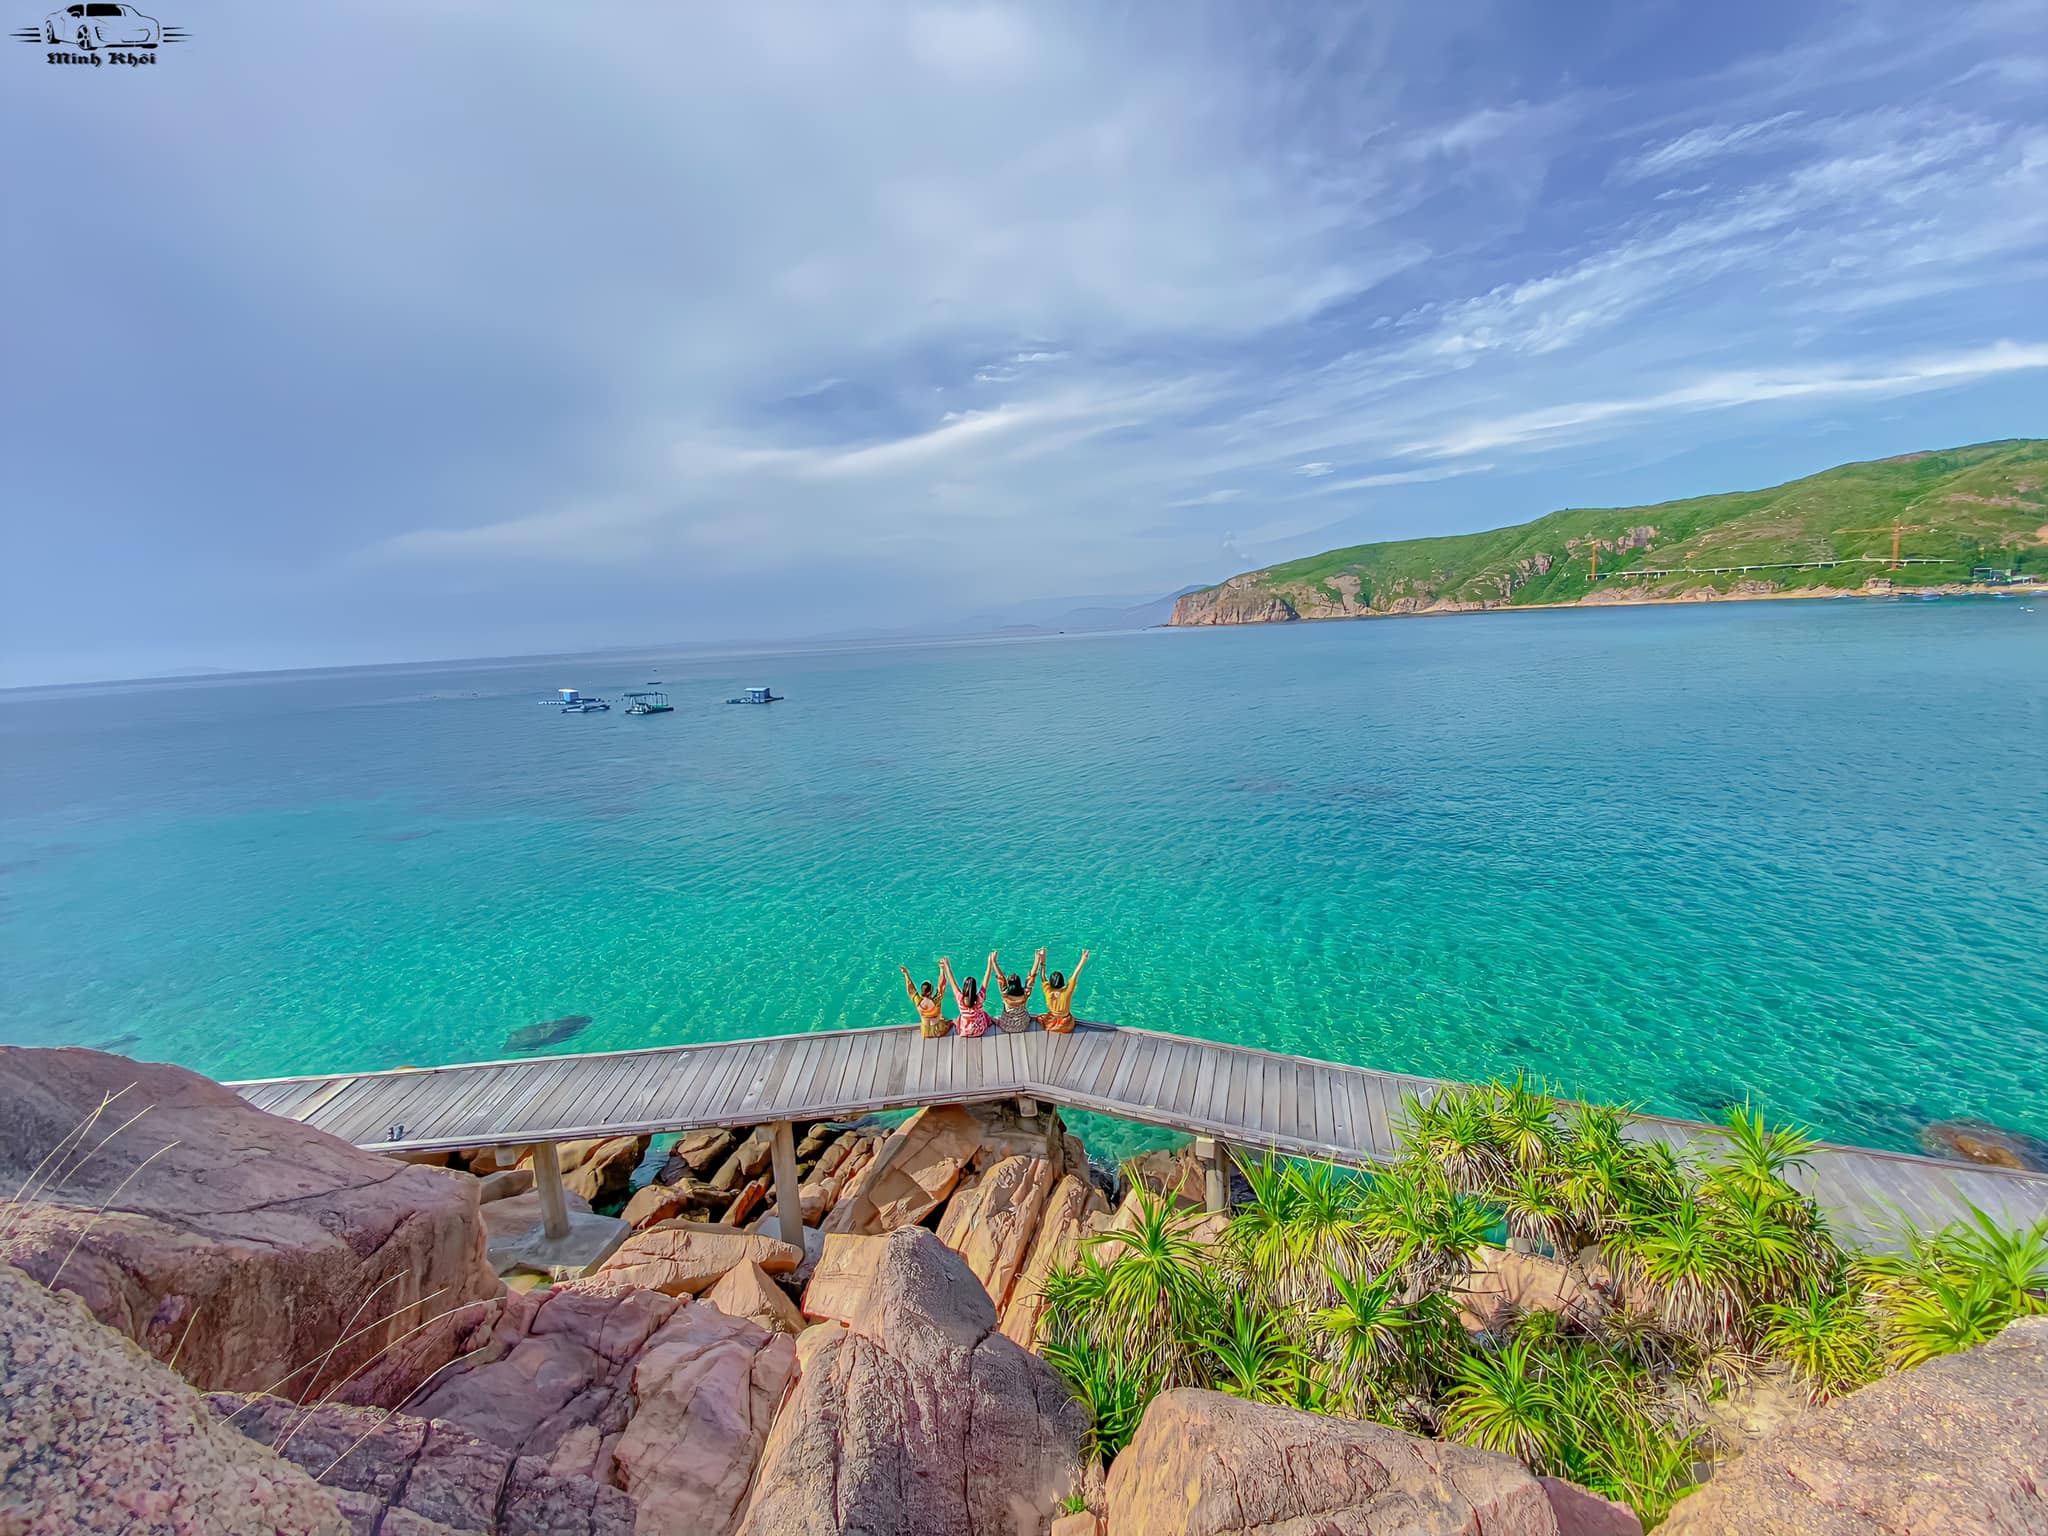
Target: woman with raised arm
x=1059 y=997
x=926 y=1000
x=1016 y=996
x=967 y=997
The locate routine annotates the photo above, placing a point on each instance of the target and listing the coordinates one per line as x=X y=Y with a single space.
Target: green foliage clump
x=1350 y=1292
x=1962 y=507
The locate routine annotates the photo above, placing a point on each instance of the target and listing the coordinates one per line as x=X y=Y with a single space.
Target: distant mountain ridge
x=1829 y=533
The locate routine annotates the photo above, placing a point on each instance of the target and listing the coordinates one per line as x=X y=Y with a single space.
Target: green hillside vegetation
x=1982 y=505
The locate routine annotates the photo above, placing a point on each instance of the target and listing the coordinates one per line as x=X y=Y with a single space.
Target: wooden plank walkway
x=1248 y=1098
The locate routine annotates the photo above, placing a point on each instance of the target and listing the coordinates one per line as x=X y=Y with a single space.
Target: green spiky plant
x=1827 y=1337
x=1348 y=1293
x=1254 y=1355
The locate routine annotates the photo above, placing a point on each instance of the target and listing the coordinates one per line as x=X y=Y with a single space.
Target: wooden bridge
x=1227 y=1094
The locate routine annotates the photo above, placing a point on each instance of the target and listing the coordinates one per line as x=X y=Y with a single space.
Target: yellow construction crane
x=1895 y=530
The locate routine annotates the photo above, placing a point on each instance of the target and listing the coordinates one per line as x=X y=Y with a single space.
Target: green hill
x=1985 y=505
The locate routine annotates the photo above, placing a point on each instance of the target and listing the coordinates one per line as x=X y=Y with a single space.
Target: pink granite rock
x=748 y=1292
x=1073 y=1210
x=100 y=1437
x=1958 y=1445
x=394 y=1474
x=1204 y=1464
x=1582 y=1512
x=667 y=1399
x=249 y=1245
x=920 y=1419
x=993 y=1226
x=687 y=1258
x=910 y=1174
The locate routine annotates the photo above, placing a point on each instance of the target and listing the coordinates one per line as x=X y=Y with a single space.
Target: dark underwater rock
x=554 y=1032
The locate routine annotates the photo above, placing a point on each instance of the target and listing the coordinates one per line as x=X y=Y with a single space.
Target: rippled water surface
x=1790 y=850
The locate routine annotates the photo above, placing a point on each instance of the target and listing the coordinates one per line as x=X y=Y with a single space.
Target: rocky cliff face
x=99 y=1437
x=1959 y=1445
x=1239 y=600
x=241 y=1244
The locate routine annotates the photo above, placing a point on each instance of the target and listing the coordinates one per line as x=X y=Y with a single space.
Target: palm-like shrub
x=1253 y=1355
x=1826 y=1336
x=1158 y=1298
x=1340 y=1292
x=1112 y=1383
x=1572 y=1409
x=1953 y=1289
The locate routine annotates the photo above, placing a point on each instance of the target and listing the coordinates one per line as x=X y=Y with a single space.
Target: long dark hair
x=1056 y=981
x=970 y=991
x=1013 y=986
x=926 y=989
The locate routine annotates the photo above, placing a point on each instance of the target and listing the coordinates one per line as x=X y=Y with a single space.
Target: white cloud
x=1736 y=388
x=1315 y=470
x=1714 y=142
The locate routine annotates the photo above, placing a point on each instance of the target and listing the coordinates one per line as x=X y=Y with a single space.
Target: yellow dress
x=928 y=1018
x=1059 y=1009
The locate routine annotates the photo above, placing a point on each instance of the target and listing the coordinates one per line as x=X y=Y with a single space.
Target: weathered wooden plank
x=716 y=1086
x=882 y=1050
x=725 y=1089
x=479 y=1114
x=1147 y=1081
x=1240 y=1084
x=1187 y=1092
x=1340 y=1107
x=1112 y=1059
x=682 y=1092
x=604 y=1098
x=1119 y=1084
x=1274 y=1074
x=1200 y=1105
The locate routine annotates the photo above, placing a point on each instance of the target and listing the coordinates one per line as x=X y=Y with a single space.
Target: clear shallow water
x=1797 y=851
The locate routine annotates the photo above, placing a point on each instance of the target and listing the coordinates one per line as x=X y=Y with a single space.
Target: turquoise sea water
x=1679 y=855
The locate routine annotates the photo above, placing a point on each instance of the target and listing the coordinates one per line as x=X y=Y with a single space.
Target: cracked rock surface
x=914 y=1415
x=246 y=1248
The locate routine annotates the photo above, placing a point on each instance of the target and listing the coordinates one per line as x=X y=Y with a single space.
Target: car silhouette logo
x=100 y=24
x=94 y=25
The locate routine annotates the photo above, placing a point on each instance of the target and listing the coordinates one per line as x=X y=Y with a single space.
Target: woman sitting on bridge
x=1016 y=996
x=967 y=996
x=926 y=1000
x=1058 y=1018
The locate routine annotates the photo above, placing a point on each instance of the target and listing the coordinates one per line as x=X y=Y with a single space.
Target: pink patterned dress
x=973 y=1020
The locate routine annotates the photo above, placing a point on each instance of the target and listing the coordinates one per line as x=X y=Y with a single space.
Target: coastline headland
x=1959 y=522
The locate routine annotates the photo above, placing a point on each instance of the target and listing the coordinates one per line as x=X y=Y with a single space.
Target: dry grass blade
x=77 y=1133
x=51 y=1283
x=389 y=1413
x=379 y=1355
x=183 y=1337
x=65 y=1176
x=293 y=1374
x=345 y=1327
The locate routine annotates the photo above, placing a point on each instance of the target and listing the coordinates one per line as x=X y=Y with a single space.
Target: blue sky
x=372 y=332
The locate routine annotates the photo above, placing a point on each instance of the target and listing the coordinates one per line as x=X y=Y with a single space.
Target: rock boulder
x=1203 y=1464
x=992 y=1225
x=1959 y=1446
x=919 y=1418
x=101 y=1437
x=910 y=1174
x=1073 y=1210
x=241 y=1241
x=669 y=1400
x=687 y=1258
x=746 y=1291
x=394 y=1474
